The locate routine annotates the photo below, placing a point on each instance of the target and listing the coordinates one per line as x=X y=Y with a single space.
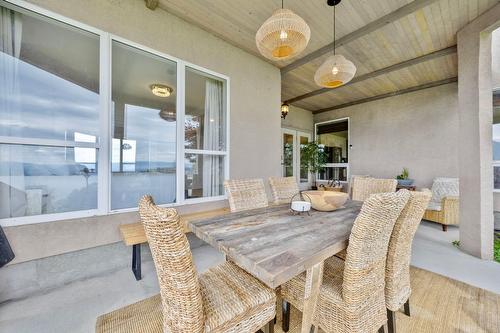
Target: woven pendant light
x=283 y=35
x=336 y=70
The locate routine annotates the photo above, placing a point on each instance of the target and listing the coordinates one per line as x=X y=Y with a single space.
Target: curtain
x=12 y=191
x=213 y=137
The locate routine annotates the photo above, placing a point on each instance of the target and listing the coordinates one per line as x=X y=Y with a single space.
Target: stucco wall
x=299 y=119
x=495 y=58
x=254 y=121
x=417 y=130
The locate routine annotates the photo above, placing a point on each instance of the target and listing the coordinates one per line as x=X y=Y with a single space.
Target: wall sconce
x=284 y=110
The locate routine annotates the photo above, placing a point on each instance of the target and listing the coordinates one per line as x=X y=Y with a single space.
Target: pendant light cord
x=334 y=21
x=281 y=4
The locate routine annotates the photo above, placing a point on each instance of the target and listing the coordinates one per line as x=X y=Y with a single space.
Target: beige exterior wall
x=255 y=91
x=418 y=130
x=299 y=119
x=495 y=59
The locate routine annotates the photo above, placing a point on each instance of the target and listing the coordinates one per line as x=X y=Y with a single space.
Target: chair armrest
x=450 y=208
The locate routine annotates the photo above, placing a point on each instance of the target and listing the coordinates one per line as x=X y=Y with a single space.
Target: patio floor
x=75 y=307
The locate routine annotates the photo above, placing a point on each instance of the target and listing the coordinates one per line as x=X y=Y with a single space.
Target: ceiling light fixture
x=283 y=35
x=161 y=90
x=285 y=108
x=336 y=70
x=167 y=115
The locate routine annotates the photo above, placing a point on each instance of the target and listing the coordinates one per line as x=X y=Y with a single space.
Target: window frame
x=103 y=144
x=336 y=165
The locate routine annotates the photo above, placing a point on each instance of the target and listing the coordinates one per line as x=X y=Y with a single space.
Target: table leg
x=314 y=279
x=136 y=261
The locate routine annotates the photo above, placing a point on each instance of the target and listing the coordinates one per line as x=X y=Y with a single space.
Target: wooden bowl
x=327 y=201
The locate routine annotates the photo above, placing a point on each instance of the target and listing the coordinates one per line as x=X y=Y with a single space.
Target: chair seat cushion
x=233 y=301
x=434 y=206
x=442 y=187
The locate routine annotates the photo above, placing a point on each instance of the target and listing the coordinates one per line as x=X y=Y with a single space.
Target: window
x=144 y=127
x=89 y=122
x=334 y=135
x=204 y=135
x=288 y=153
x=49 y=117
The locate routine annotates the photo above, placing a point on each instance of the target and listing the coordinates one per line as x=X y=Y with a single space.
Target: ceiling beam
x=365 y=30
x=152 y=4
x=391 y=94
x=392 y=68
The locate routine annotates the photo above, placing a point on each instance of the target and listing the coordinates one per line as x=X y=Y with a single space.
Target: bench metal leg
x=136 y=261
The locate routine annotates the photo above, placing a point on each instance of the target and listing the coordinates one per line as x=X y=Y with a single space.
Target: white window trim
x=103 y=146
x=336 y=165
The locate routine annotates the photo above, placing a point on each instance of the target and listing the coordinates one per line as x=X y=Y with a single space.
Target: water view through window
x=49 y=98
x=143 y=156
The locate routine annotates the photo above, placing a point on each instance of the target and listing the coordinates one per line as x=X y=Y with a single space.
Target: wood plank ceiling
x=387 y=40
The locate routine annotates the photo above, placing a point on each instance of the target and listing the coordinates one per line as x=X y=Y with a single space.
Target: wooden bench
x=133 y=234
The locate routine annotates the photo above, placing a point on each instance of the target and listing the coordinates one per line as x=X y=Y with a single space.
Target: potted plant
x=404 y=178
x=313 y=158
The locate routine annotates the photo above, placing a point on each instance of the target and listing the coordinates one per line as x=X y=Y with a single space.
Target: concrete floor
x=433 y=251
x=74 y=307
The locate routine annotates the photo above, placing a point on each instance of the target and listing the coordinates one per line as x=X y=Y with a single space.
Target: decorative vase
x=405 y=182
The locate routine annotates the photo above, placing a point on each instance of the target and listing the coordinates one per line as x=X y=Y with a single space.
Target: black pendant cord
x=334 y=46
x=281 y=4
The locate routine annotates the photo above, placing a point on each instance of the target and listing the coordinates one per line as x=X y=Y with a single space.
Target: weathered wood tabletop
x=274 y=245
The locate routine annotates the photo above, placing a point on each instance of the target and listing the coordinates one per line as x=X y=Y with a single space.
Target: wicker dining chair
x=245 y=194
x=397 y=271
x=352 y=296
x=283 y=189
x=223 y=299
x=363 y=187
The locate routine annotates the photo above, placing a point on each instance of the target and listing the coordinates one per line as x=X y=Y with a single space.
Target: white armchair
x=444 y=205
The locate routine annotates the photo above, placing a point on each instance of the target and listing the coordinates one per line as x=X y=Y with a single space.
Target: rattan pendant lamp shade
x=336 y=70
x=283 y=35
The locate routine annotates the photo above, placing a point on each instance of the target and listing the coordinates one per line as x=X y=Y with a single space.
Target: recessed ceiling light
x=161 y=90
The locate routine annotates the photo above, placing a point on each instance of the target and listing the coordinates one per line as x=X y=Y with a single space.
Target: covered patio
x=243 y=166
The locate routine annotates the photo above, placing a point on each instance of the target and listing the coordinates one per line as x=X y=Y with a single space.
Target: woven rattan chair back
x=397 y=271
x=363 y=187
x=245 y=194
x=179 y=286
x=283 y=189
x=364 y=270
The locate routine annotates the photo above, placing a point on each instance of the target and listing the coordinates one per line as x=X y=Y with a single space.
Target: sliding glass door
x=292 y=143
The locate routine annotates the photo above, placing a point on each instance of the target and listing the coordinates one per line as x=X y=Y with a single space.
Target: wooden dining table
x=275 y=245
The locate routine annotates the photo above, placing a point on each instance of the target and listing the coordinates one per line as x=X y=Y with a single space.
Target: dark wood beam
x=392 y=68
x=391 y=94
x=152 y=4
x=365 y=30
